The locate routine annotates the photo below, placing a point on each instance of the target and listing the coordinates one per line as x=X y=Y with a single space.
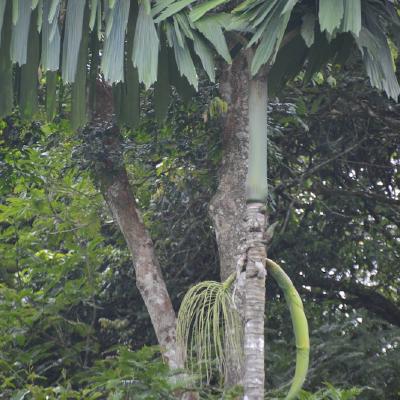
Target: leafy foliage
x=131 y=43
x=67 y=288
x=326 y=200
x=125 y=35
x=335 y=180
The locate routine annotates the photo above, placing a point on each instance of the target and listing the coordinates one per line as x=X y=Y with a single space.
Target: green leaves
x=50 y=38
x=51 y=88
x=126 y=94
x=78 y=92
x=20 y=31
x=378 y=61
x=192 y=41
x=112 y=61
x=212 y=29
x=352 y=16
x=206 y=56
x=182 y=28
x=196 y=35
x=271 y=31
x=51 y=250
x=2 y=12
x=377 y=56
x=72 y=39
x=330 y=14
x=267 y=21
x=173 y=9
x=308 y=29
x=6 y=73
x=330 y=39
x=145 y=47
x=28 y=91
x=341 y=15
x=198 y=11
x=182 y=55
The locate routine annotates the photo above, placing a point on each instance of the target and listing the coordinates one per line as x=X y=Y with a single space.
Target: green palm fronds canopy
x=134 y=42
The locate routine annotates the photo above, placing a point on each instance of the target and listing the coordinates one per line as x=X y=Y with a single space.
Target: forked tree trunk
x=149 y=280
x=111 y=173
x=228 y=205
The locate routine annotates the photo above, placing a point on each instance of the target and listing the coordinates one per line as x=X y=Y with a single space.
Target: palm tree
x=126 y=38
x=271 y=41
x=276 y=38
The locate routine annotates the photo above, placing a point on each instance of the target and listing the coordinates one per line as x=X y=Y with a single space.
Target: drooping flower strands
x=208 y=324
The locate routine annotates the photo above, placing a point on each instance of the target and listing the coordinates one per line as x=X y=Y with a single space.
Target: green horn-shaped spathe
x=208 y=304
x=300 y=326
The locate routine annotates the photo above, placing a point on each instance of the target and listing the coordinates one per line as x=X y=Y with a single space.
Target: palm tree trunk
x=239 y=225
x=256 y=223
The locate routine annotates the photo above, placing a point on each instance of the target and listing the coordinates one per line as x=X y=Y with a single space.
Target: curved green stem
x=229 y=281
x=300 y=326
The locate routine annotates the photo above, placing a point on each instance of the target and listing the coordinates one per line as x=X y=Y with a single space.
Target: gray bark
x=228 y=205
x=117 y=191
x=240 y=229
x=149 y=280
x=254 y=375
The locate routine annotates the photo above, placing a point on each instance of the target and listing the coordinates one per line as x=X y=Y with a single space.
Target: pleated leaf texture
x=329 y=29
x=171 y=40
x=124 y=61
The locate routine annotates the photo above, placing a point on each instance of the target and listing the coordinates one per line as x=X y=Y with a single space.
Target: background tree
x=132 y=38
x=173 y=171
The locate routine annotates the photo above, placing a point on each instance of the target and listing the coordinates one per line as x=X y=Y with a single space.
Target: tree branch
x=361 y=296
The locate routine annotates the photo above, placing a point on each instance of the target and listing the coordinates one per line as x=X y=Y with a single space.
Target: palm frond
x=212 y=29
x=145 y=47
x=50 y=39
x=20 y=31
x=196 y=35
x=6 y=72
x=28 y=94
x=72 y=38
x=112 y=61
x=78 y=93
x=2 y=12
x=330 y=14
x=127 y=93
x=182 y=54
x=203 y=8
